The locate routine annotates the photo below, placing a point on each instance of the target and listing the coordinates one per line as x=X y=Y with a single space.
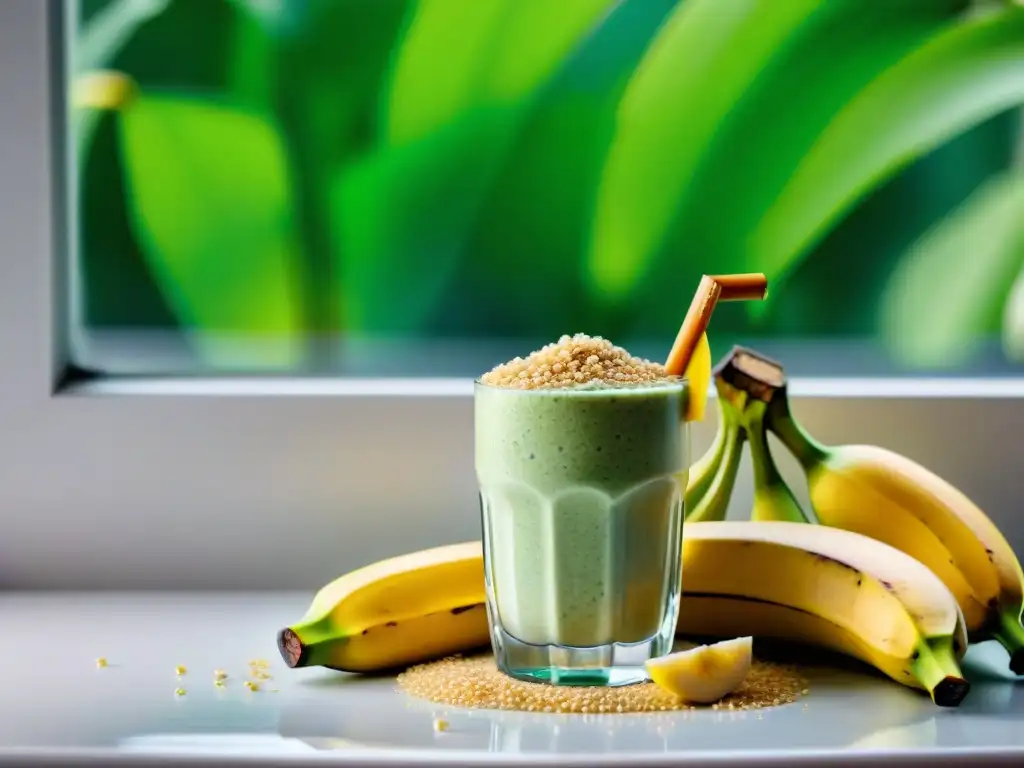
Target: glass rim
x=672 y=383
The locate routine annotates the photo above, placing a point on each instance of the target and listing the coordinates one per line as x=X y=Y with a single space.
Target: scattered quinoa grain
x=251 y=685
x=180 y=670
x=179 y=691
x=576 y=361
x=440 y=726
x=101 y=661
x=219 y=674
x=476 y=682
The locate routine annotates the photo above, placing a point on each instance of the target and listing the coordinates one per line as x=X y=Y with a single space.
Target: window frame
x=281 y=484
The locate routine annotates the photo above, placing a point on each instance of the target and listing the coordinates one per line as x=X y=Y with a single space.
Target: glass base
x=606 y=665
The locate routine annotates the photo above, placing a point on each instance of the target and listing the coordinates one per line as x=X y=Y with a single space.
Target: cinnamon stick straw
x=712 y=289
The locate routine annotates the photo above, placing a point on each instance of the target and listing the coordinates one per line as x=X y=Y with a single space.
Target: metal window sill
x=241 y=386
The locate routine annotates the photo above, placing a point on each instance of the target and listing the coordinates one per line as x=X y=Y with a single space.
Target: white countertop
x=59 y=708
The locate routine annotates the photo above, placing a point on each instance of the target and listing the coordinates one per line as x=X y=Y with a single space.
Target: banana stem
x=1010 y=634
x=303 y=644
x=297 y=654
x=779 y=419
x=937 y=670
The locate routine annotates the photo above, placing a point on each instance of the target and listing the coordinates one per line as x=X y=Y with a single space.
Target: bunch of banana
x=881 y=494
x=811 y=584
x=713 y=477
x=773 y=499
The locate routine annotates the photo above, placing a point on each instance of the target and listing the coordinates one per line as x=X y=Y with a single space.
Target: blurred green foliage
x=425 y=169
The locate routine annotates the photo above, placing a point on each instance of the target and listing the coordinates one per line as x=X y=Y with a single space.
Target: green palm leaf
x=405 y=212
x=730 y=99
x=764 y=138
x=1013 y=321
x=107 y=32
x=96 y=45
x=210 y=204
x=458 y=56
x=466 y=77
x=706 y=56
x=963 y=76
x=951 y=288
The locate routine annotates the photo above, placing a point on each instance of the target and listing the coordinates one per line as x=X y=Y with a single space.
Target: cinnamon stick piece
x=711 y=290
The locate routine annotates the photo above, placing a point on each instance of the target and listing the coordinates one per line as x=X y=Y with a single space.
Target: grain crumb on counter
x=476 y=682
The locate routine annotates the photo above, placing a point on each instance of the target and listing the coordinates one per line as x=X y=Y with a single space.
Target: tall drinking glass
x=581 y=494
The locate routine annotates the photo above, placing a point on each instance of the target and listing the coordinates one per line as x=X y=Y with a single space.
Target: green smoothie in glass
x=581 y=458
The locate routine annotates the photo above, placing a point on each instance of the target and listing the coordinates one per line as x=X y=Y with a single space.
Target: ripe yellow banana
x=395 y=612
x=817 y=585
x=881 y=494
x=829 y=587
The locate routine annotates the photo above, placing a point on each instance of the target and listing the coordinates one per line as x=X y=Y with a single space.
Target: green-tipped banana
x=713 y=504
x=886 y=496
x=702 y=473
x=828 y=587
x=393 y=613
x=773 y=498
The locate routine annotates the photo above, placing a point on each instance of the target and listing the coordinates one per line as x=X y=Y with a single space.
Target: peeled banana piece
x=830 y=587
x=706 y=673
